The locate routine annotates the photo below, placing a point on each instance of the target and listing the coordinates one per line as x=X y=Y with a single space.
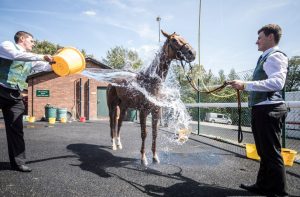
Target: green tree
x=85 y=54
x=233 y=75
x=293 y=78
x=118 y=57
x=222 y=76
x=45 y=47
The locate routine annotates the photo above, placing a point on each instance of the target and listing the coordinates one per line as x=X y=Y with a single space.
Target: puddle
x=35 y=126
x=190 y=159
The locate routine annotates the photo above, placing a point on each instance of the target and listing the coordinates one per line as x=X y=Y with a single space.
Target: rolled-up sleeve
x=9 y=51
x=41 y=66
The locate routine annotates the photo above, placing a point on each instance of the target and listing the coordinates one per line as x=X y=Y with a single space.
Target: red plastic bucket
x=82 y=119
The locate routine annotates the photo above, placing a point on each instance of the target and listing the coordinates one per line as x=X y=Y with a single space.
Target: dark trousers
x=267 y=121
x=13 y=108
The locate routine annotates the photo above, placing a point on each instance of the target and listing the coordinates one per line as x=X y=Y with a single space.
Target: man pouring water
x=16 y=63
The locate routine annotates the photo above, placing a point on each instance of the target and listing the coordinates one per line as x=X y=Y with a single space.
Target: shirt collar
x=269 y=50
x=20 y=47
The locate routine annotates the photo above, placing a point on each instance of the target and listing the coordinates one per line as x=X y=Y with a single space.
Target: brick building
x=83 y=97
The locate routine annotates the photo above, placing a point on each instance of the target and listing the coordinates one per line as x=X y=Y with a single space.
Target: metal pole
x=32 y=95
x=161 y=109
x=198 y=99
x=88 y=99
x=199 y=25
x=158 y=20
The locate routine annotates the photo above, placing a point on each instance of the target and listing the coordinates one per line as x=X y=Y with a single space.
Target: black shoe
x=253 y=188
x=22 y=168
x=279 y=194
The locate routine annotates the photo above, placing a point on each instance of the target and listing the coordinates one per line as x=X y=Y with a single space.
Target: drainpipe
x=80 y=86
x=32 y=94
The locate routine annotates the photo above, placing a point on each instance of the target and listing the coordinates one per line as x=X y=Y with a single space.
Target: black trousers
x=267 y=121
x=13 y=108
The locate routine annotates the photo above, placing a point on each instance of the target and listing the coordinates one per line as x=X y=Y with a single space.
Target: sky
x=228 y=28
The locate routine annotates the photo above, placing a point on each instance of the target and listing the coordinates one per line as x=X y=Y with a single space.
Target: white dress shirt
x=8 y=51
x=276 y=69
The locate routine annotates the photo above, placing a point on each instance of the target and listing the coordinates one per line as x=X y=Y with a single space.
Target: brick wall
x=64 y=93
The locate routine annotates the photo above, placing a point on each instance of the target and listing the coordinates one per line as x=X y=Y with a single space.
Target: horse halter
x=180 y=55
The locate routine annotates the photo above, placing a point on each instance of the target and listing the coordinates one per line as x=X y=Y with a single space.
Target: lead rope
x=192 y=83
x=240 y=132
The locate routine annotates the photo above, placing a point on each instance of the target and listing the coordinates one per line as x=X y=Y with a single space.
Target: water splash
x=108 y=75
x=175 y=115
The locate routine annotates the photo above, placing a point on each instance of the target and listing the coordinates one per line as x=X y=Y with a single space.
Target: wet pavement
x=75 y=159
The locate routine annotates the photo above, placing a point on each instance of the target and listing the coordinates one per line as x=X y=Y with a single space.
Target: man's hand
x=237 y=84
x=48 y=58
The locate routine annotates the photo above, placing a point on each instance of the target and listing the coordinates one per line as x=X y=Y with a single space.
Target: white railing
x=290 y=104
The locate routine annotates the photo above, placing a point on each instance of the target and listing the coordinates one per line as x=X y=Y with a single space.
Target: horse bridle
x=181 y=57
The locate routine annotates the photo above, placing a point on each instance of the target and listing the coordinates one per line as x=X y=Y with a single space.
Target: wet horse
x=124 y=96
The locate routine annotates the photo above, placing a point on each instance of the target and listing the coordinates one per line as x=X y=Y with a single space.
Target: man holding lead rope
x=268 y=111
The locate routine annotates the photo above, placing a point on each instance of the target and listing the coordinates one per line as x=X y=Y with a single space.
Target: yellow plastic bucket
x=31 y=119
x=288 y=156
x=51 y=120
x=183 y=134
x=68 y=61
x=63 y=120
x=251 y=152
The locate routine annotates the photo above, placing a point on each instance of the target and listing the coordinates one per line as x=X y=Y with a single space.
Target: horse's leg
x=155 y=118
x=113 y=121
x=143 y=116
x=112 y=103
x=122 y=113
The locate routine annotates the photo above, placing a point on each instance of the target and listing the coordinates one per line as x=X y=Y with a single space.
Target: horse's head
x=177 y=48
x=174 y=48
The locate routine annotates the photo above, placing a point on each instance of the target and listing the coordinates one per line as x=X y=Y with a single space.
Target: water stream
x=174 y=115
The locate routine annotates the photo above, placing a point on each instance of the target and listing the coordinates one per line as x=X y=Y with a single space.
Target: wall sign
x=42 y=93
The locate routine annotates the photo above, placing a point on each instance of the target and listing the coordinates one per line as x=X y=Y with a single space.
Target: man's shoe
x=253 y=188
x=279 y=194
x=22 y=168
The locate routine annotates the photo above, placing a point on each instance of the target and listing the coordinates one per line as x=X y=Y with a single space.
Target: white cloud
x=147 y=53
x=145 y=31
x=168 y=17
x=129 y=42
x=29 y=11
x=124 y=6
x=89 y=13
x=262 y=8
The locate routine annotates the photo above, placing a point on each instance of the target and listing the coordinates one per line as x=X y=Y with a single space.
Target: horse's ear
x=165 y=34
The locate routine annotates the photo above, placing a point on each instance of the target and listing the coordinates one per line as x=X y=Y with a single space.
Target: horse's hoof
x=114 y=147
x=144 y=162
x=120 y=146
x=155 y=160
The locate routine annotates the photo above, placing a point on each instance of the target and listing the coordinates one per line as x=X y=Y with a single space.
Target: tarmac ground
x=76 y=159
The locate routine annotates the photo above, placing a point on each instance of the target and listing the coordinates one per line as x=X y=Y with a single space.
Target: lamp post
x=161 y=109
x=158 y=20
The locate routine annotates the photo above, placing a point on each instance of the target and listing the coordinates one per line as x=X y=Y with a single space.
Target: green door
x=102 y=109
